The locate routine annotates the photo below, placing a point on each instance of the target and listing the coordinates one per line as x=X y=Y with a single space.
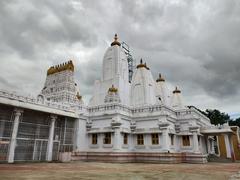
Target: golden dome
x=141 y=65
x=160 y=78
x=176 y=90
x=61 y=67
x=113 y=89
x=115 y=42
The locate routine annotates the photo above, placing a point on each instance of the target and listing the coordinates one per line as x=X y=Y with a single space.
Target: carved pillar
x=195 y=142
x=208 y=145
x=194 y=130
x=165 y=139
x=50 y=139
x=17 y=114
x=117 y=141
x=81 y=136
x=212 y=147
x=163 y=125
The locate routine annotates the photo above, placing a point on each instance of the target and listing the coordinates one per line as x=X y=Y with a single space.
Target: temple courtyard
x=138 y=171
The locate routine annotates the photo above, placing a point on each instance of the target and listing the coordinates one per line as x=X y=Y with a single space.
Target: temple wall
x=25 y=135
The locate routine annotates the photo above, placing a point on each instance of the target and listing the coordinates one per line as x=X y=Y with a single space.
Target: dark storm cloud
x=28 y=27
x=195 y=44
x=205 y=32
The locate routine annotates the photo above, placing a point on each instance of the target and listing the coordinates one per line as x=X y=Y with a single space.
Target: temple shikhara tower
x=60 y=85
x=132 y=116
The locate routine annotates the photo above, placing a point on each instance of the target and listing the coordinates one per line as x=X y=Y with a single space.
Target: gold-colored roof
x=176 y=90
x=160 y=78
x=61 y=67
x=113 y=89
x=115 y=42
x=141 y=65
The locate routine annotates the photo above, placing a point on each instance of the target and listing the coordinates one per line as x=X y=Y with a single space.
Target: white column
x=131 y=143
x=212 y=147
x=117 y=139
x=165 y=139
x=208 y=145
x=81 y=135
x=231 y=148
x=17 y=114
x=177 y=143
x=50 y=140
x=227 y=144
x=195 y=142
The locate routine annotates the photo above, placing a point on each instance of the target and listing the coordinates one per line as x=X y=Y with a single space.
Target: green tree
x=217 y=117
x=235 y=122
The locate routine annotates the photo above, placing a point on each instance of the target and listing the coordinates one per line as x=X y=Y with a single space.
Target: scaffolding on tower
x=131 y=62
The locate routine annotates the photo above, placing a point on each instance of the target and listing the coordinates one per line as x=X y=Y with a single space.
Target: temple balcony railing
x=31 y=100
x=109 y=107
x=218 y=126
x=192 y=113
x=132 y=110
x=157 y=109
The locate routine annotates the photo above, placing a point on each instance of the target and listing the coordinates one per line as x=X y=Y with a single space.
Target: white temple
x=128 y=121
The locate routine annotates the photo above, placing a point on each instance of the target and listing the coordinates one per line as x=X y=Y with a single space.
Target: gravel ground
x=106 y=171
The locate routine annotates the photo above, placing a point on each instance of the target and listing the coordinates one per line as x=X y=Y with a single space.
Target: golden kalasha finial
x=160 y=78
x=115 y=37
x=115 y=42
x=78 y=96
x=141 y=65
x=113 y=89
x=176 y=90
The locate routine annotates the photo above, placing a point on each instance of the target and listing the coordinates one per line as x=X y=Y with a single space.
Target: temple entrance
x=221 y=147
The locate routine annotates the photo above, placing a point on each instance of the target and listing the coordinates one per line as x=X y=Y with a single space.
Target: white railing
x=106 y=107
x=31 y=100
x=132 y=110
x=213 y=127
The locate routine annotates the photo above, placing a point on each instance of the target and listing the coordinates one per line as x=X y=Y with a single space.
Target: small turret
x=141 y=65
x=112 y=89
x=177 y=99
x=142 y=86
x=160 y=78
x=176 y=91
x=112 y=95
x=162 y=92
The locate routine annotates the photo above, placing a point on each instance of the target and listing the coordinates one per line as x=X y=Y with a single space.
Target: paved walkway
x=107 y=171
x=235 y=176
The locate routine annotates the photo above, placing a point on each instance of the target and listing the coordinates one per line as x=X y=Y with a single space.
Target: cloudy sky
x=195 y=44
